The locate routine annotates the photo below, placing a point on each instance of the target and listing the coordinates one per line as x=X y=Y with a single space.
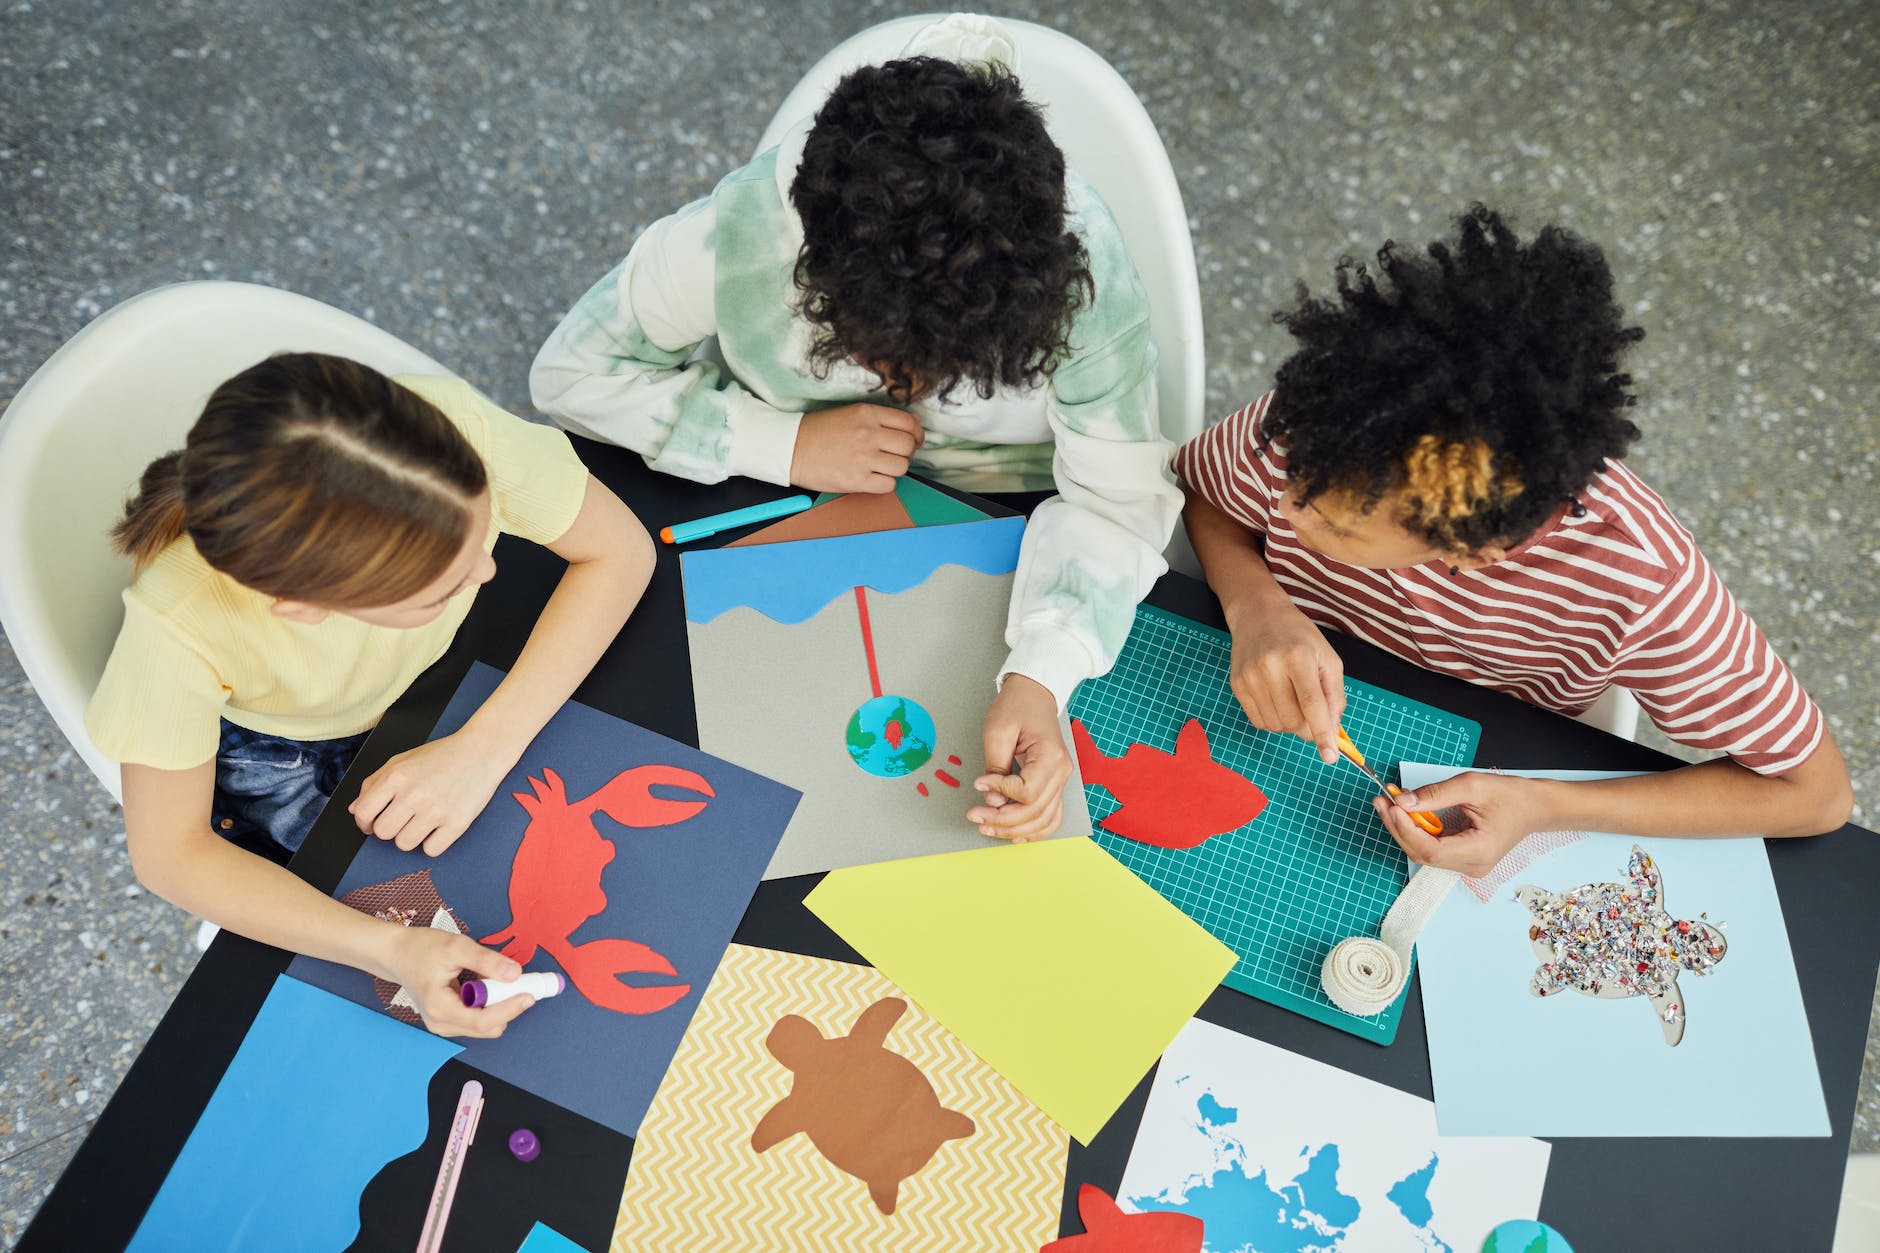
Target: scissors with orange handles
x=1422 y=817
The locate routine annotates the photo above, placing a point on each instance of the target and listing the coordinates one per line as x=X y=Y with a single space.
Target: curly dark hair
x=1481 y=387
x=935 y=246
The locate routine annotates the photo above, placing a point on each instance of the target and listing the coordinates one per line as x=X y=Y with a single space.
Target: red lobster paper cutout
x=555 y=884
x=1107 y=1229
x=1170 y=800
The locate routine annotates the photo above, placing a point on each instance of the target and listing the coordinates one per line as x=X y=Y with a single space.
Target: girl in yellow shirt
x=310 y=551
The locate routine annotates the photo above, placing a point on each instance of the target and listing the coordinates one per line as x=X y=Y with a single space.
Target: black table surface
x=1603 y=1194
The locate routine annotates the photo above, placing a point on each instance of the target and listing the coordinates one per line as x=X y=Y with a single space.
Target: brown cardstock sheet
x=854 y=514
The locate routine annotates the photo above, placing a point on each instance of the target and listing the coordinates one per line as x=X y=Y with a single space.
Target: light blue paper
x=791 y=582
x=545 y=1239
x=1505 y=1062
x=320 y=1096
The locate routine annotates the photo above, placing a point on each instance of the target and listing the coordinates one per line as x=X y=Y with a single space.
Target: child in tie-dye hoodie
x=910 y=279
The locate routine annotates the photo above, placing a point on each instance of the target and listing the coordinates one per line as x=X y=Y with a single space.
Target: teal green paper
x=926 y=506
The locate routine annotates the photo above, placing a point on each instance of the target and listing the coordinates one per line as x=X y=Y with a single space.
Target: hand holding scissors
x=1423 y=818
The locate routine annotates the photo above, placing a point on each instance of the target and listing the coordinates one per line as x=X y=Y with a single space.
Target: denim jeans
x=270 y=788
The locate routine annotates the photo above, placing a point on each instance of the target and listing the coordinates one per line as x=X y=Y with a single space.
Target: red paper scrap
x=1107 y=1229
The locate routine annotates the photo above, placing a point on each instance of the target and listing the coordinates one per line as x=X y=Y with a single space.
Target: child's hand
x=1027 y=764
x=428 y=961
x=1497 y=811
x=1288 y=678
x=429 y=795
x=854 y=448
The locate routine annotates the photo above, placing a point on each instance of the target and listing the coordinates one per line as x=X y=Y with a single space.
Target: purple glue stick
x=541 y=984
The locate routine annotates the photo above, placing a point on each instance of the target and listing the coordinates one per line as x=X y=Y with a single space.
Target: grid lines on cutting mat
x=1316 y=866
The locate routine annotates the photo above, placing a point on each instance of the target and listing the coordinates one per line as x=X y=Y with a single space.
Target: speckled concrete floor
x=459 y=173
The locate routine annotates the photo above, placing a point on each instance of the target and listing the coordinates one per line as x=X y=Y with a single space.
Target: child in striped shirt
x=1436 y=472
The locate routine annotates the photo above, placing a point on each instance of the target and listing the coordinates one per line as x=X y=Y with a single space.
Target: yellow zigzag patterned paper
x=696 y=1186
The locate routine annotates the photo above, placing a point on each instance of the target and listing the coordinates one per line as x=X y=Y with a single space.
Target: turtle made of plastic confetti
x=869 y=1112
x=1615 y=940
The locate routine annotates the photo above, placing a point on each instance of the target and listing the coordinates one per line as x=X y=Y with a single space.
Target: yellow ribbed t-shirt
x=197 y=647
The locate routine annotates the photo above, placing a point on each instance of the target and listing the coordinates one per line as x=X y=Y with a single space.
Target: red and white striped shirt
x=1618 y=595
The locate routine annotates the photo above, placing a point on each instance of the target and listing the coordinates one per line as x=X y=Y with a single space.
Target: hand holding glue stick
x=541 y=984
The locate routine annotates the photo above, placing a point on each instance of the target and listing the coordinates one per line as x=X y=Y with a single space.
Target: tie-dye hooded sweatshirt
x=619 y=368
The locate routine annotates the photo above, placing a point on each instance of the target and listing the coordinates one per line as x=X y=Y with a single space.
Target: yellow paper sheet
x=696 y=1182
x=1054 y=963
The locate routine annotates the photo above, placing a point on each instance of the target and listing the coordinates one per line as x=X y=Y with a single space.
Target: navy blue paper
x=678 y=889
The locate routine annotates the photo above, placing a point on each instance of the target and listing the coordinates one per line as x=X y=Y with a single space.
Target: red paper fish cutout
x=1107 y=1229
x=1170 y=800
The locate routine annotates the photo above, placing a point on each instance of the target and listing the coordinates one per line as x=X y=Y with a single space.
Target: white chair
x=1859 y=1225
x=122 y=392
x=1615 y=713
x=1108 y=138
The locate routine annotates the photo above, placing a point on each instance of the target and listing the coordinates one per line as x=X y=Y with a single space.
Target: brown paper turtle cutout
x=869 y=1112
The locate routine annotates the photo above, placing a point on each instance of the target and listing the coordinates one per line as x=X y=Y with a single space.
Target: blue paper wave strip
x=791 y=582
x=321 y=1095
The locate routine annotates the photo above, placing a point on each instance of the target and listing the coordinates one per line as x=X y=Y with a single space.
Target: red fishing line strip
x=868 y=640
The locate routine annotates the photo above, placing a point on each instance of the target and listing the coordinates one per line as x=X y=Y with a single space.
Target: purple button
x=524 y=1145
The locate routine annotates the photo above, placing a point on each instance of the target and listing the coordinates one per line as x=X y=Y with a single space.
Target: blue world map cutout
x=1279 y=1153
x=1245 y=1213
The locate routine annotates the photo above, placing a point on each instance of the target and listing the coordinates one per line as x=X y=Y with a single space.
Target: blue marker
x=685 y=532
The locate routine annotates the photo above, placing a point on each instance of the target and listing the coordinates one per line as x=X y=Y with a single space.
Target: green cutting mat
x=1316 y=865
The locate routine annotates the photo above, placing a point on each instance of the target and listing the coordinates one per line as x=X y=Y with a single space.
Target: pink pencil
x=463 y=1131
